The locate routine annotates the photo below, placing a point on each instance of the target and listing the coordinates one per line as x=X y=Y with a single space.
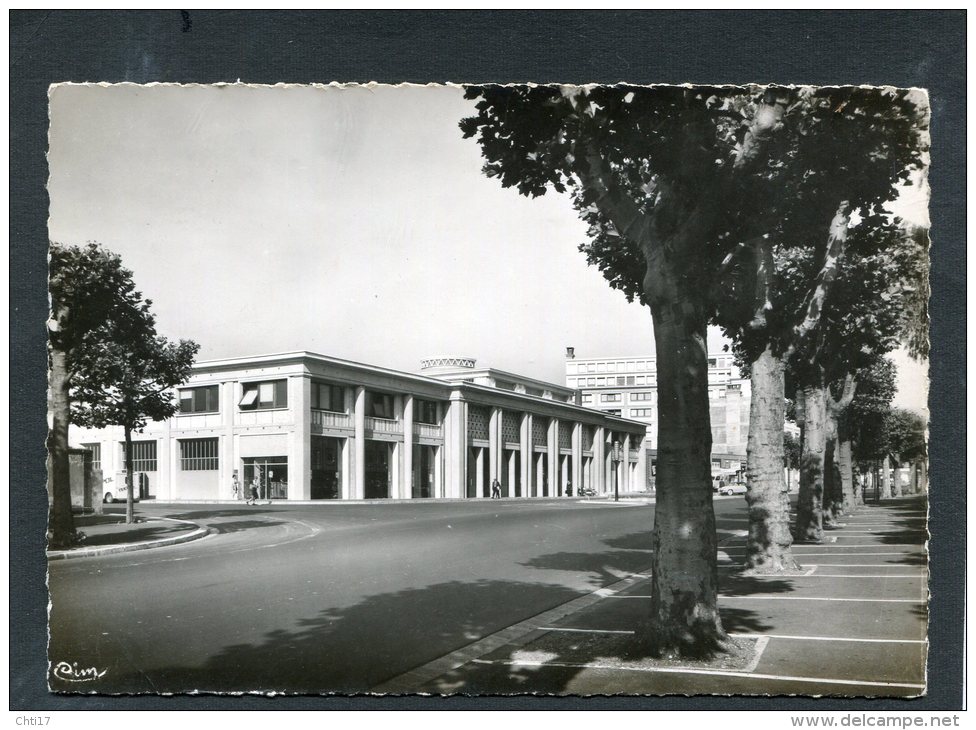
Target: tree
x=906 y=440
x=862 y=319
x=678 y=185
x=89 y=288
x=127 y=376
x=865 y=418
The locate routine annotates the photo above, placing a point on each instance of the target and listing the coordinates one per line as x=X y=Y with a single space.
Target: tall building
x=304 y=426
x=627 y=387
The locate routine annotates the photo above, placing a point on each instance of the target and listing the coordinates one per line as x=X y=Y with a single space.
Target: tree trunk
x=885 y=478
x=809 y=508
x=129 y=505
x=914 y=477
x=846 y=466
x=768 y=546
x=684 y=616
x=62 y=525
x=831 y=497
x=923 y=477
x=896 y=480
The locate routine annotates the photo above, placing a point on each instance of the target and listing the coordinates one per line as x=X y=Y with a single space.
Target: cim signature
x=73 y=673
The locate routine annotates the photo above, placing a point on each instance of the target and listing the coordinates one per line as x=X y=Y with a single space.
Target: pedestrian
x=496 y=489
x=236 y=487
x=569 y=489
x=253 y=492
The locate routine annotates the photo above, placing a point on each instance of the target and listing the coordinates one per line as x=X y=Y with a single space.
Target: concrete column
x=599 y=470
x=437 y=488
x=229 y=463
x=577 y=466
x=479 y=478
x=406 y=491
x=564 y=471
x=552 y=454
x=300 y=439
x=625 y=484
x=455 y=442
x=525 y=449
x=495 y=447
x=166 y=476
x=642 y=464
x=359 y=446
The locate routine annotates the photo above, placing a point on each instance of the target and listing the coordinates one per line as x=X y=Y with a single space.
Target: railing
x=383 y=425
x=331 y=419
x=428 y=430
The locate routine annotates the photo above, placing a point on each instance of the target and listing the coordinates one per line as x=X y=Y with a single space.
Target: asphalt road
x=333 y=598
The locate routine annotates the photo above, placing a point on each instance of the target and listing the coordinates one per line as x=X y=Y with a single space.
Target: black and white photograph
x=487 y=389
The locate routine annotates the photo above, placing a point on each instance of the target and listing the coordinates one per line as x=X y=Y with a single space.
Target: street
x=344 y=598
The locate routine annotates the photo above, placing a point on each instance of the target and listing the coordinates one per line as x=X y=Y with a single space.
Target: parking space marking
x=706 y=672
x=922 y=569
x=760 y=597
x=831 y=638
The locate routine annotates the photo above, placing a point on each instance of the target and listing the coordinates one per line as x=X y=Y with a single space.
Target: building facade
x=303 y=426
x=627 y=387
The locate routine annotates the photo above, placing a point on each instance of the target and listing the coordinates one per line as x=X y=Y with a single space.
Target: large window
x=198 y=455
x=610 y=397
x=641 y=412
x=200 y=400
x=143 y=455
x=96 y=452
x=641 y=396
x=327 y=397
x=425 y=411
x=263 y=396
x=379 y=405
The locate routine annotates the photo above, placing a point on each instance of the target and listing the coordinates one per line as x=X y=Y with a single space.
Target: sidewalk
x=852 y=624
x=108 y=533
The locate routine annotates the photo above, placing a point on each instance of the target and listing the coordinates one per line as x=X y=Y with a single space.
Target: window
x=143 y=456
x=379 y=405
x=590 y=368
x=614 y=412
x=264 y=396
x=591 y=382
x=711 y=362
x=96 y=452
x=645 y=396
x=718 y=434
x=198 y=455
x=642 y=412
x=630 y=380
x=425 y=411
x=200 y=400
x=587 y=398
x=621 y=380
x=610 y=397
x=640 y=380
x=601 y=367
x=327 y=397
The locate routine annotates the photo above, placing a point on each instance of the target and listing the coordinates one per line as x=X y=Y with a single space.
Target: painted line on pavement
x=864 y=565
x=831 y=638
x=517 y=634
x=707 y=672
x=838 y=575
x=856 y=555
x=761 y=597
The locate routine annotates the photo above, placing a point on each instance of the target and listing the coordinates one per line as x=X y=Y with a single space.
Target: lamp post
x=617 y=456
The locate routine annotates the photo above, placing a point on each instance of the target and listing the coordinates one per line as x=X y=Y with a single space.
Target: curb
x=197 y=534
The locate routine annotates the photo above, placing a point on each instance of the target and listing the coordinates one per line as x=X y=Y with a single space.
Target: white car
x=730 y=489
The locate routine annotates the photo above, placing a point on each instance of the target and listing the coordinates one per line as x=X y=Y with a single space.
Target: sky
x=350 y=221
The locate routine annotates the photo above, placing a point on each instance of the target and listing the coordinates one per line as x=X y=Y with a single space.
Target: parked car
x=730 y=489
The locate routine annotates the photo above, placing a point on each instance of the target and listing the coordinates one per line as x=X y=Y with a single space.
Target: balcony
x=330 y=419
x=383 y=425
x=428 y=430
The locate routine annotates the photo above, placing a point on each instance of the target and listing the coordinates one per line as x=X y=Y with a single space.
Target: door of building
x=271 y=473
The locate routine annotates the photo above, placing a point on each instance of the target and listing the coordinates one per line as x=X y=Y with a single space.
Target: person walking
x=496 y=489
x=253 y=492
